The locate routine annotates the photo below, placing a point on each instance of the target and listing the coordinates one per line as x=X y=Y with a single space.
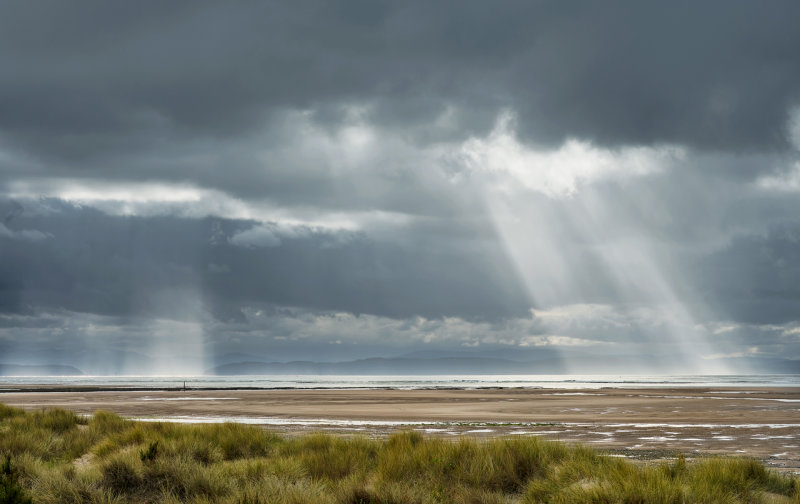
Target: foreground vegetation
x=58 y=457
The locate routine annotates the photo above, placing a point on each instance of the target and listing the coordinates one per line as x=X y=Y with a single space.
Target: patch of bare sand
x=83 y=461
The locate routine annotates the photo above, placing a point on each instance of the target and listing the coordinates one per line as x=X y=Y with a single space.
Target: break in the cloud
x=327 y=180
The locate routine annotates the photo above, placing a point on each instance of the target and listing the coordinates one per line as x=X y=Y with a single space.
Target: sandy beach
x=638 y=423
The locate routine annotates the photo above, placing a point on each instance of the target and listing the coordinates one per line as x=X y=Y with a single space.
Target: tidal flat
x=637 y=423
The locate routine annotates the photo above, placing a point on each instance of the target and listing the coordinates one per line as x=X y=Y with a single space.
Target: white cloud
x=87 y=191
x=786 y=181
x=791 y=331
x=187 y=201
x=557 y=340
x=749 y=352
x=257 y=236
x=722 y=328
x=574 y=312
x=23 y=234
x=557 y=173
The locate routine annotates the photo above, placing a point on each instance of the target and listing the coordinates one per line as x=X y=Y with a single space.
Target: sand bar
x=647 y=423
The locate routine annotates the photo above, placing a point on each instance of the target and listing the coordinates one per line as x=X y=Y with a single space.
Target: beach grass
x=59 y=457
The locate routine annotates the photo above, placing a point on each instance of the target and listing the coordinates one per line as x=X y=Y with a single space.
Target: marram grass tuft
x=59 y=457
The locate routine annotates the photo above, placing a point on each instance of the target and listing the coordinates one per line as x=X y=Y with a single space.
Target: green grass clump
x=58 y=457
x=11 y=492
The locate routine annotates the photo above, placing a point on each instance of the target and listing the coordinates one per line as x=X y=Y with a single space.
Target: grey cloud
x=354 y=113
x=90 y=83
x=271 y=333
x=158 y=267
x=12 y=210
x=755 y=279
x=295 y=164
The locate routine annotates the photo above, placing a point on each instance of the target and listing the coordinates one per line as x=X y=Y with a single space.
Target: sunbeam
x=572 y=247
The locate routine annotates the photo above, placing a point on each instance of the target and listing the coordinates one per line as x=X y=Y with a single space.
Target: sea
x=408 y=382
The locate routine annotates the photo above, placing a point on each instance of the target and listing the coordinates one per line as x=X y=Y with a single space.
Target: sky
x=189 y=183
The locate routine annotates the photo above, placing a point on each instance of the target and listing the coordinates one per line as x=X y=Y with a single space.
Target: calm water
x=414 y=382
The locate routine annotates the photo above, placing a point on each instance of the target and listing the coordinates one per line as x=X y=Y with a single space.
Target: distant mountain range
x=378 y=366
x=481 y=365
x=443 y=363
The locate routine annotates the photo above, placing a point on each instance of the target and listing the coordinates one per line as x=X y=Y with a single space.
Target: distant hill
x=462 y=364
x=38 y=370
x=398 y=366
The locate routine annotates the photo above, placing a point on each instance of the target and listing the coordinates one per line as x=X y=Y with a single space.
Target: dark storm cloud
x=84 y=85
x=277 y=176
x=756 y=279
x=166 y=266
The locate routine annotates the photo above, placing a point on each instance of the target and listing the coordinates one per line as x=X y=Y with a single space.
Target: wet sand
x=638 y=423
